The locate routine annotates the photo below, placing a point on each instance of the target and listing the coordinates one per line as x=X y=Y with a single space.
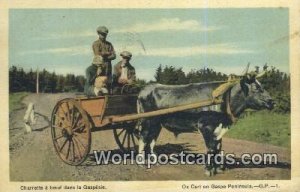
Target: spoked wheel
x=71 y=132
x=127 y=138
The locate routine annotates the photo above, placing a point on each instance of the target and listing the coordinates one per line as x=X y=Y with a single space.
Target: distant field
x=263 y=127
x=15 y=100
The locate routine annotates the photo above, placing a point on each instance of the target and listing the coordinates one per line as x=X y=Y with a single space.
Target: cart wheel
x=71 y=132
x=127 y=138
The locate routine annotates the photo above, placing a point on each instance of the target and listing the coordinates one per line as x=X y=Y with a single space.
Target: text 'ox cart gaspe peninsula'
x=73 y=119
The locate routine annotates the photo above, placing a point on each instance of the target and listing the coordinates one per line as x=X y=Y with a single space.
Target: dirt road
x=32 y=156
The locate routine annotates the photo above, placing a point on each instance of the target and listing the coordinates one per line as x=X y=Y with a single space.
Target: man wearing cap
x=104 y=49
x=96 y=78
x=124 y=72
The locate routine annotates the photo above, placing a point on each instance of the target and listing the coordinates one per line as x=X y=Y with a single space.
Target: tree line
x=20 y=80
x=276 y=82
x=169 y=75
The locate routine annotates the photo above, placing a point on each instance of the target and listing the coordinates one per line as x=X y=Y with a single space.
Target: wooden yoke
x=225 y=88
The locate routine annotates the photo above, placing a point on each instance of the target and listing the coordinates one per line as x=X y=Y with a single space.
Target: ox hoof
x=219 y=170
x=210 y=172
x=142 y=165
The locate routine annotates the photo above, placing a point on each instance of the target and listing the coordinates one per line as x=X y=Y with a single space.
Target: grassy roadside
x=15 y=100
x=263 y=127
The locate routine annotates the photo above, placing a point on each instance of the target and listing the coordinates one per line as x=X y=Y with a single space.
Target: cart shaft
x=131 y=117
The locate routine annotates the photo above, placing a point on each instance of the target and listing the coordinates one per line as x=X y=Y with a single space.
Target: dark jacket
x=100 y=46
x=91 y=74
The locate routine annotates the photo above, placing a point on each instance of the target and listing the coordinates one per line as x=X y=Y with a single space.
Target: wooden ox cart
x=73 y=120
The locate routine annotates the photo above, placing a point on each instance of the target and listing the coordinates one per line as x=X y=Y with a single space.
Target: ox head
x=256 y=96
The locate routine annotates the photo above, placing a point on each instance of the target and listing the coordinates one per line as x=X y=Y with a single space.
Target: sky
x=223 y=39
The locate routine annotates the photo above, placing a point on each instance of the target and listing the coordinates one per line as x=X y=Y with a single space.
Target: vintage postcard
x=150 y=96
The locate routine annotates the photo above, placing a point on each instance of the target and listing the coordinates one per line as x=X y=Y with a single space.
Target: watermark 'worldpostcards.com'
x=148 y=160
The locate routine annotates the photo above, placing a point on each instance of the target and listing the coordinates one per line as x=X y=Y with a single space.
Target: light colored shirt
x=124 y=73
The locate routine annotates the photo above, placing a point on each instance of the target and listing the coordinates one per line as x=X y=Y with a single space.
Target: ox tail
x=139 y=110
x=176 y=135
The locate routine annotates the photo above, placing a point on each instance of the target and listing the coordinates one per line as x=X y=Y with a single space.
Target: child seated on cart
x=96 y=79
x=124 y=77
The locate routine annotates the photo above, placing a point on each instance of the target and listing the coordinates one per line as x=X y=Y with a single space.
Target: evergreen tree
x=158 y=74
x=60 y=84
x=31 y=81
x=53 y=83
x=19 y=80
x=79 y=83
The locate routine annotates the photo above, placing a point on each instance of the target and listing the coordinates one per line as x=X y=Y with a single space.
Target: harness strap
x=228 y=108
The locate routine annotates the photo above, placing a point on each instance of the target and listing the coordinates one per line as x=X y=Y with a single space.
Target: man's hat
x=97 y=60
x=102 y=29
x=126 y=54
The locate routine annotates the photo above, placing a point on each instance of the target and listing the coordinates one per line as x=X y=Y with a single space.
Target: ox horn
x=260 y=75
x=247 y=69
x=265 y=69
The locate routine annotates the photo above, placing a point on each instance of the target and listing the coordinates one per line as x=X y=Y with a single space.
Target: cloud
x=78 y=50
x=213 y=49
x=166 y=24
x=138 y=49
x=67 y=35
